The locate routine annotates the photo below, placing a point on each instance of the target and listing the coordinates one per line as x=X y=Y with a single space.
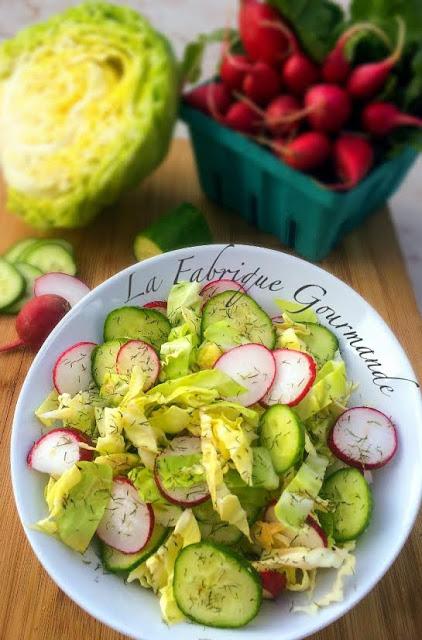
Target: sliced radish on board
x=183 y=496
x=364 y=438
x=295 y=375
x=273 y=583
x=158 y=305
x=63 y=285
x=141 y=354
x=219 y=286
x=72 y=371
x=311 y=535
x=253 y=367
x=58 y=450
x=127 y=522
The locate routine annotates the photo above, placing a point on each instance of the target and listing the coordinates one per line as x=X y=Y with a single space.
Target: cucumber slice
x=321 y=343
x=215 y=586
x=117 y=562
x=135 y=323
x=283 y=434
x=29 y=274
x=104 y=360
x=184 y=226
x=16 y=250
x=220 y=532
x=351 y=496
x=12 y=284
x=50 y=256
x=241 y=313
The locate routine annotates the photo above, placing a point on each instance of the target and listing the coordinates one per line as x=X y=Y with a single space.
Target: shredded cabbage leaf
x=157 y=572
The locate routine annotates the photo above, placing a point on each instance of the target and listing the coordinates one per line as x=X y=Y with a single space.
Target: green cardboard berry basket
x=241 y=176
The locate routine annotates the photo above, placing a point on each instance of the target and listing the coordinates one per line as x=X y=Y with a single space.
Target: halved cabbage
x=88 y=100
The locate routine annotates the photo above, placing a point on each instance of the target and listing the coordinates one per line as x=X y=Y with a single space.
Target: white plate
x=390 y=386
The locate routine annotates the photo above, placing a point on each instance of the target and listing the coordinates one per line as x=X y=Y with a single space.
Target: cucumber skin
x=330 y=335
x=212 y=301
x=301 y=443
x=161 y=321
x=330 y=480
x=136 y=563
x=21 y=292
x=184 y=226
x=97 y=350
x=246 y=566
x=14 y=253
x=35 y=249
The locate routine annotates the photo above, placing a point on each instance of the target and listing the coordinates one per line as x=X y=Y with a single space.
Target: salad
x=209 y=451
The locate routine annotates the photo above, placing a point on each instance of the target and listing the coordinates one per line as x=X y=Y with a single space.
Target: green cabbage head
x=88 y=100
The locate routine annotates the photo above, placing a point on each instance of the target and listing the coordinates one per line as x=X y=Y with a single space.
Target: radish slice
x=295 y=375
x=58 y=450
x=72 y=371
x=218 y=286
x=311 y=535
x=278 y=319
x=183 y=496
x=364 y=438
x=63 y=285
x=252 y=366
x=157 y=305
x=127 y=522
x=141 y=354
x=273 y=583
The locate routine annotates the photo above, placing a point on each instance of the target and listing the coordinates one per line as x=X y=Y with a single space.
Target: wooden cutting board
x=31 y=606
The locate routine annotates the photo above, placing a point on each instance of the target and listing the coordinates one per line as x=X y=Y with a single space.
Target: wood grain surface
x=31 y=606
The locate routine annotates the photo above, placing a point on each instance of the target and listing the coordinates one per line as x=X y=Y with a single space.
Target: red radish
x=36 y=320
x=364 y=438
x=127 y=522
x=273 y=583
x=306 y=152
x=353 y=158
x=261 y=84
x=336 y=68
x=381 y=118
x=213 y=99
x=295 y=375
x=63 y=285
x=219 y=286
x=72 y=371
x=233 y=70
x=311 y=535
x=281 y=108
x=241 y=117
x=368 y=79
x=58 y=450
x=299 y=73
x=264 y=35
x=329 y=107
x=158 y=305
x=141 y=354
x=253 y=367
x=183 y=496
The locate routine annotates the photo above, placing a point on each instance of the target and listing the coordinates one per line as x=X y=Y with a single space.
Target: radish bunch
x=320 y=118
